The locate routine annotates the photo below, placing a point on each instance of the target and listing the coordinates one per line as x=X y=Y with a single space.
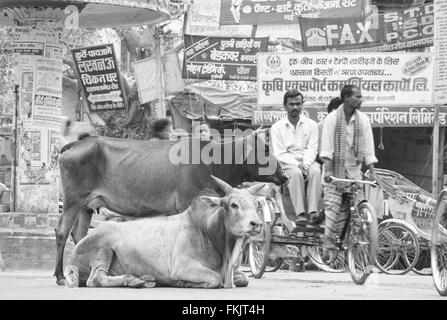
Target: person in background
x=333 y=105
x=347 y=143
x=161 y=129
x=295 y=145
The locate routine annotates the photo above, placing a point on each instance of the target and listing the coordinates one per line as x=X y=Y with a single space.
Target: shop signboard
x=100 y=77
x=255 y=12
x=390 y=31
x=221 y=58
x=388 y=82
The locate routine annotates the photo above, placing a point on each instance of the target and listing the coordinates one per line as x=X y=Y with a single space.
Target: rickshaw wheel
x=362 y=243
x=398 y=250
x=337 y=265
x=439 y=246
x=423 y=265
x=273 y=265
x=259 y=251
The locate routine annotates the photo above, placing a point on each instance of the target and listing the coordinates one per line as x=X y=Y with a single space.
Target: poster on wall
x=255 y=12
x=221 y=58
x=203 y=19
x=146 y=78
x=440 y=89
x=385 y=79
x=100 y=77
x=47 y=106
x=394 y=30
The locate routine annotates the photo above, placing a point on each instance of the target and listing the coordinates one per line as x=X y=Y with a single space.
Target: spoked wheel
x=398 y=250
x=362 y=243
x=423 y=266
x=337 y=265
x=439 y=246
x=273 y=265
x=259 y=251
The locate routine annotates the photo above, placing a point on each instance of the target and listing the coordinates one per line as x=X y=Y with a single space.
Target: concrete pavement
x=281 y=285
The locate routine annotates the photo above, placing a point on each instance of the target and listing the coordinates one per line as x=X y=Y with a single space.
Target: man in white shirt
x=295 y=144
x=347 y=143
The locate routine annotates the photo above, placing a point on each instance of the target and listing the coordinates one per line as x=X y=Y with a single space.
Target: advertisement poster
x=395 y=30
x=100 y=77
x=440 y=90
x=146 y=77
x=255 y=12
x=221 y=58
x=203 y=19
x=400 y=79
x=47 y=106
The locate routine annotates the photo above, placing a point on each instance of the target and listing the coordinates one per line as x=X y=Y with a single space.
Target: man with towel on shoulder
x=347 y=143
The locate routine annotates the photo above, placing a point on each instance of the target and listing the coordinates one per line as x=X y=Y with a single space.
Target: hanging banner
x=147 y=79
x=255 y=12
x=203 y=19
x=385 y=79
x=221 y=58
x=47 y=104
x=391 y=31
x=401 y=116
x=173 y=73
x=100 y=77
x=440 y=89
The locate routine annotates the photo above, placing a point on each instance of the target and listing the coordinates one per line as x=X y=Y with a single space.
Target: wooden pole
x=435 y=185
x=15 y=159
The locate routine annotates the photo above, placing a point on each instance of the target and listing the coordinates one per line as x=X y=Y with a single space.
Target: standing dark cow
x=140 y=179
x=194 y=249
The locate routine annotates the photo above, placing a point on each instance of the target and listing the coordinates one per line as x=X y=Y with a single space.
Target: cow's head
x=261 y=164
x=239 y=207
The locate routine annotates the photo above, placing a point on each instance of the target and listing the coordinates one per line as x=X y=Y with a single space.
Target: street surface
x=279 y=285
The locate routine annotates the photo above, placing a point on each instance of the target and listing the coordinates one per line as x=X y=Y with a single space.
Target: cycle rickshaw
x=405 y=232
x=281 y=240
x=438 y=248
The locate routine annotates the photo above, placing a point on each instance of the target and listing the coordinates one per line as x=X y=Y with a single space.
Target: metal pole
x=15 y=159
x=435 y=186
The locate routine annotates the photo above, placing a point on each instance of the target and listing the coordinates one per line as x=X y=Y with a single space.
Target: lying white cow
x=191 y=249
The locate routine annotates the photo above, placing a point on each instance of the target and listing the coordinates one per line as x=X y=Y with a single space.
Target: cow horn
x=256 y=188
x=223 y=185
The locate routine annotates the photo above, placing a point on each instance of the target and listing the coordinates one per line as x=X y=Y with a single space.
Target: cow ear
x=211 y=201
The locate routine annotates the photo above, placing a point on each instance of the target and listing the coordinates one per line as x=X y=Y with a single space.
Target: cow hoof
x=134 y=282
x=148 y=278
x=61 y=282
x=149 y=281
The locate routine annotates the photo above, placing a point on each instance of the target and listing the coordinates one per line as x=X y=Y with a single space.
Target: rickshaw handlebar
x=372 y=183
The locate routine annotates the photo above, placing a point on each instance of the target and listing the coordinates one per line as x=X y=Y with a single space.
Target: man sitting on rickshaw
x=347 y=143
x=295 y=145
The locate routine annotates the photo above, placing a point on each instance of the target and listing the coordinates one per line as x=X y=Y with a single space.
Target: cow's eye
x=234 y=206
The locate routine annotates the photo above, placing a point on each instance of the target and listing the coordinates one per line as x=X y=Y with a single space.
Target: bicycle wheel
x=423 y=265
x=438 y=248
x=259 y=251
x=399 y=246
x=362 y=243
x=337 y=265
x=273 y=265
x=384 y=257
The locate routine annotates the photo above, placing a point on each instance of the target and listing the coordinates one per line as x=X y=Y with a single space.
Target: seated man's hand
x=305 y=169
x=327 y=176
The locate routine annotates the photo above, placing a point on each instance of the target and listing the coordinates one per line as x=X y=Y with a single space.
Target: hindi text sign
x=255 y=12
x=385 y=79
x=440 y=89
x=221 y=58
x=100 y=77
